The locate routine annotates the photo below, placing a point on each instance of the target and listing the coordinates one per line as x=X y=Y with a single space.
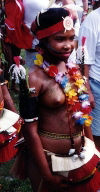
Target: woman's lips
x=66 y=54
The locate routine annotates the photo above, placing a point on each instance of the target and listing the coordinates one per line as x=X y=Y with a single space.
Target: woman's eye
x=72 y=38
x=59 y=39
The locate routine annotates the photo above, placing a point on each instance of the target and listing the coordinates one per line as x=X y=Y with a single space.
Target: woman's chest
x=53 y=95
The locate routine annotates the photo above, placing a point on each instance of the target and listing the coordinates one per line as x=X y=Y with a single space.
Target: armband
x=28 y=107
x=31 y=120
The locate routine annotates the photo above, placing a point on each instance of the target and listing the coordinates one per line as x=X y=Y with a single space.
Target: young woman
x=61 y=155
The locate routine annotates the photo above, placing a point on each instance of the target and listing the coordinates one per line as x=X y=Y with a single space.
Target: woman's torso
x=55 y=116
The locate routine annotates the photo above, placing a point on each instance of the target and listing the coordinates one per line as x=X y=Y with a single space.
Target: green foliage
x=3 y=58
x=10 y=184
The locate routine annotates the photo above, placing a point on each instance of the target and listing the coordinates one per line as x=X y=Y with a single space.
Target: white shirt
x=79 y=3
x=90 y=28
x=32 y=8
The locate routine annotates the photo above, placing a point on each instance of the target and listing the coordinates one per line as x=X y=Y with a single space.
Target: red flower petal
x=72 y=71
x=86 y=110
x=77 y=107
x=53 y=70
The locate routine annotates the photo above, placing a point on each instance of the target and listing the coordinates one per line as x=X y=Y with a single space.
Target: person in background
x=10 y=122
x=60 y=152
x=82 y=8
x=17 y=71
x=8 y=48
x=90 y=31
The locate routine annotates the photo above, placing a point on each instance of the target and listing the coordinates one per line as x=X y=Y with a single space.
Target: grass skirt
x=91 y=185
x=24 y=161
x=9 y=127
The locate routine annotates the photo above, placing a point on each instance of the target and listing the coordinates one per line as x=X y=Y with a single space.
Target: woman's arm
x=36 y=149
x=86 y=73
x=8 y=102
x=88 y=132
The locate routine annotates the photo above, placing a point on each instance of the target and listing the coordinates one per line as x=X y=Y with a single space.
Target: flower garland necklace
x=73 y=86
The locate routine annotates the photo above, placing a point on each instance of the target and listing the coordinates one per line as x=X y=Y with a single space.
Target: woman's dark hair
x=48 y=18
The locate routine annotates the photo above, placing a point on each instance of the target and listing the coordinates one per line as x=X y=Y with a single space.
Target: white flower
x=77 y=115
x=68 y=23
x=85 y=104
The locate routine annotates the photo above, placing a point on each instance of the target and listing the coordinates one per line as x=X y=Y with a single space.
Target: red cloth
x=7 y=143
x=93 y=185
x=7 y=152
x=50 y=30
x=17 y=32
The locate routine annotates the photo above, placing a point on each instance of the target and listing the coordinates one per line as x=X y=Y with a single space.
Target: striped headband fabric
x=51 y=21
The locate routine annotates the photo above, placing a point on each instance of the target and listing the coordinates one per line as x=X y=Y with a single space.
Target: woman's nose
x=67 y=45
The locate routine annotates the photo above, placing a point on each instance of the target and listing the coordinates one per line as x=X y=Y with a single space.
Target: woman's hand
x=58 y=183
x=91 y=99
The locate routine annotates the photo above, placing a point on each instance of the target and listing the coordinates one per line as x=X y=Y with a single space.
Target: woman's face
x=61 y=44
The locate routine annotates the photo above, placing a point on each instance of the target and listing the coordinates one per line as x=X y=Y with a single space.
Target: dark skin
x=53 y=113
x=5 y=95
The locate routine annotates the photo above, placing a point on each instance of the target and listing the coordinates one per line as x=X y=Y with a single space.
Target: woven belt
x=56 y=135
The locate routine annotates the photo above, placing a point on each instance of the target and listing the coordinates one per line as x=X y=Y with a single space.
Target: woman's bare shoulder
x=35 y=78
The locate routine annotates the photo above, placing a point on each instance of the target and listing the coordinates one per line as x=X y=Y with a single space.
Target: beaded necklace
x=73 y=86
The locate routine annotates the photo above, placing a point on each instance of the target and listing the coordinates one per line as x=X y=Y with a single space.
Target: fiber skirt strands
x=10 y=125
x=81 y=175
x=82 y=185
